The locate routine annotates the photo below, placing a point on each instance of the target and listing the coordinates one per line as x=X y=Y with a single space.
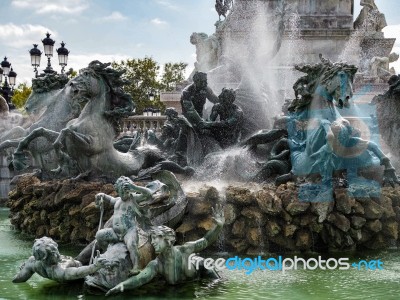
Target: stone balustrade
x=142 y=123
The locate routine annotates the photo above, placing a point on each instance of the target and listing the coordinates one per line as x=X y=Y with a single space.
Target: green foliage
x=173 y=74
x=143 y=76
x=71 y=73
x=21 y=94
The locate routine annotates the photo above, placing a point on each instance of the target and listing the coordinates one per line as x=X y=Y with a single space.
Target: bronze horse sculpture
x=86 y=145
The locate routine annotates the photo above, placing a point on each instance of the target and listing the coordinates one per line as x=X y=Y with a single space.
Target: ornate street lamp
x=62 y=56
x=48 y=45
x=151 y=95
x=35 y=58
x=5 y=65
x=5 y=90
x=12 y=76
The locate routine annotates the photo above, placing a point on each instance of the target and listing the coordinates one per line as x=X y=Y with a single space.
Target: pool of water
x=300 y=284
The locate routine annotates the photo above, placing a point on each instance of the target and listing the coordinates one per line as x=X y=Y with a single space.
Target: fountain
x=288 y=165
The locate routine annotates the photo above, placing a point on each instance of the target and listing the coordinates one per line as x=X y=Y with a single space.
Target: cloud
x=159 y=22
x=19 y=36
x=52 y=6
x=79 y=61
x=115 y=16
x=393 y=31
x=168 y=4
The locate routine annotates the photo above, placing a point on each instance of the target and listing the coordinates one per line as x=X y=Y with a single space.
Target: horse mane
x=121 y=104
x=317 y=74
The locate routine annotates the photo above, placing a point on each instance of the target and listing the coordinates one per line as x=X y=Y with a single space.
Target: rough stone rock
x=272 y=228
x=344 y=202
x=372 y=210
x=72 y=192
x=91 y=209
x=198 y=206
x=356 y=234
x=391 y=229
x=397 y=212
x=322 y=209
x=74 y=210
x=255 y=236
x=239 y=195
x=25 y=183
x=387 y=207
x=303 y=240
x=393 y=194
x=357 y=222
x=378 y=242
x=339 y=221
x=374 y=226
x=332 y=236
x=186 y=226
x=269 y=202
x=286 y=217
x=239 y=245
x=212 y=195
x=358 y=208
x=206 y=223
x=316 y=227
x=366 y=236
x=289 y=230
x=307 y=220
x=295 y=207
x=239 y=227
x=231 y=213
x=283 y=243
x=255 y=217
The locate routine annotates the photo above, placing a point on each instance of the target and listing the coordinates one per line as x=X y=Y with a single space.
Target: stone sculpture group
x=75 y=137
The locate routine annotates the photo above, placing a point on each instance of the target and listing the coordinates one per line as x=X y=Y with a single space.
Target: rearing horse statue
x=321 y=140
x=86 y=144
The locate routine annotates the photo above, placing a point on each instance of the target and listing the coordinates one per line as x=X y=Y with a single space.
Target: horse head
x=101 y=87
x=337 y=81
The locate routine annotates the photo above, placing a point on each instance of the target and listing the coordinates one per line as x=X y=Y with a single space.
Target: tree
x=71 y=73
x=144 y=78
x=173 y=74
x=21 y=94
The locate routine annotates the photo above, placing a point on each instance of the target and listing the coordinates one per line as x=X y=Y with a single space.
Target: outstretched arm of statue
x=141 y=193
x=145 y=276
x=74 y=273
x=211 y=235
x=211 y=96
x=26 y=271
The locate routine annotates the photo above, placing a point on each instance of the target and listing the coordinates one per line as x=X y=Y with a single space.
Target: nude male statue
x=48 y=263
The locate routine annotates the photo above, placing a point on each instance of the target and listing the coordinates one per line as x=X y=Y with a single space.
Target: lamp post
x=35 y=58
x=48 y=45
x=8 y=73
x=153 y=94
x=62 y=56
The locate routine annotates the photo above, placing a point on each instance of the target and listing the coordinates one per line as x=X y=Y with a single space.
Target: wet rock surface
x=258 y=218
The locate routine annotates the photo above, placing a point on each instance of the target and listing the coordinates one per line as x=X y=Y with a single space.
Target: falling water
x=231 y=164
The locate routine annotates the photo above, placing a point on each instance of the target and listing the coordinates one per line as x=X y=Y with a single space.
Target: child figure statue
x=48 y=263
x=129 y=215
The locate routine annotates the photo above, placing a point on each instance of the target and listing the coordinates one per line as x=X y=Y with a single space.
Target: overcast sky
x=113 y=30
